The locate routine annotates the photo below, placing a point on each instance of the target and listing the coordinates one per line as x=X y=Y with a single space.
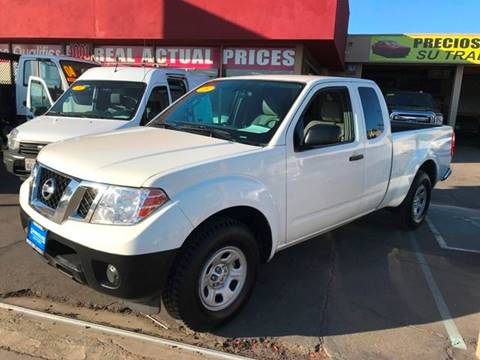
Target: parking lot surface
x=366 y=290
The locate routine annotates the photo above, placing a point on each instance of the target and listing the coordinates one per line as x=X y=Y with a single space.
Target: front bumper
x=15 y=163
x=142 y=277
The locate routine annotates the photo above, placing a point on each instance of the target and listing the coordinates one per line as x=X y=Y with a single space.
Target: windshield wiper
x=211 y=131
x=54 y=113
x=163 y=126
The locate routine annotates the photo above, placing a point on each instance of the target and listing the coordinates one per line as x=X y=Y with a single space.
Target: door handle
x=356 y=157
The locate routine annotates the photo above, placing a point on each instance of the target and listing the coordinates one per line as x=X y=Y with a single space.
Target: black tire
x=181 y=296
x=409 y=219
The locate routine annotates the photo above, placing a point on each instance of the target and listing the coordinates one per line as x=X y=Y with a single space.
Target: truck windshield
x=410 y=99
x=115 y=100
x=248 y=111
x=73 y=69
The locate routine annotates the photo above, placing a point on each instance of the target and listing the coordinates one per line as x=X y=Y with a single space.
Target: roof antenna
x=116 y=63
x=143 y=59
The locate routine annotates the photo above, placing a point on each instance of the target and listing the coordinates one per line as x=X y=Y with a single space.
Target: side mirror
x=322 y=134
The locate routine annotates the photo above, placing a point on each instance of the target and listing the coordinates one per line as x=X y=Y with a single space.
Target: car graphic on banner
x=390 y=49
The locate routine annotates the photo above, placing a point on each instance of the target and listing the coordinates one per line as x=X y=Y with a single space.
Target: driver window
x=327 y=120
x=157 y=101
x=50 y=74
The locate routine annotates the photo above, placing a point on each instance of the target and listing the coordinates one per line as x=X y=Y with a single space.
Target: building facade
x=446 y=66
x=217 y=37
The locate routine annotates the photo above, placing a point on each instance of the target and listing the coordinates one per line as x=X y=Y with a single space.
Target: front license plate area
x=37 y=237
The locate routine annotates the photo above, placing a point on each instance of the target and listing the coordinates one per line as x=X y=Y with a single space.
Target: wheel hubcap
x=419 y=203
x=222 y=278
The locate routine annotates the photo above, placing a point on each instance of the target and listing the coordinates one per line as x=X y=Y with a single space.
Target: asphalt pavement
x=366 y=291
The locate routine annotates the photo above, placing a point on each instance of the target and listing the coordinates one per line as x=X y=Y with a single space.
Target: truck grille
x=86 y=202
x=60 y=197
x=30 y=148
x=51 y=187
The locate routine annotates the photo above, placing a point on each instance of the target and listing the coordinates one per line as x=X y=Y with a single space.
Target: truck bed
x=413 y=145
x=399 y=126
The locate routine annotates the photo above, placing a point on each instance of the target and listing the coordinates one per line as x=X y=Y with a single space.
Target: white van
x=102 y=99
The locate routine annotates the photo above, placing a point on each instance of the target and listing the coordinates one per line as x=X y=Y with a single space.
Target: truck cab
x=102 y=99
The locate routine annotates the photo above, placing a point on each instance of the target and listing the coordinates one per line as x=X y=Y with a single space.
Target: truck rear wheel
x=213 y=276
x=413 y=209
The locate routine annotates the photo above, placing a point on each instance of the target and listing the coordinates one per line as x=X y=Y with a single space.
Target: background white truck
x=102 y=99
x=54 y=73
x=237 y=170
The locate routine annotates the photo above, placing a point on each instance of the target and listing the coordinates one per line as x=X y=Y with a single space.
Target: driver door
x=39 y=99
x=325 y=182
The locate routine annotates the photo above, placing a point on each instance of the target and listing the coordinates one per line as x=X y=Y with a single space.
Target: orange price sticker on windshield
x=206 y=88
x=79 y=87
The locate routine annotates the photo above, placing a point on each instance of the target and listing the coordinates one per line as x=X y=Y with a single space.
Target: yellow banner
x=425 y=48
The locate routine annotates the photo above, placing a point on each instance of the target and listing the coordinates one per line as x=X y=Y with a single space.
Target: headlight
x=127 y=206
x=439 y=119
x=12 y=140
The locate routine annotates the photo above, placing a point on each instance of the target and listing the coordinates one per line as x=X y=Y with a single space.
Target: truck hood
x=48 y=129
x=129 y=157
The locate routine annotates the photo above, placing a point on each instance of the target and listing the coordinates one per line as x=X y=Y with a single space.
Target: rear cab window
x=372 y=112
x=177 y=86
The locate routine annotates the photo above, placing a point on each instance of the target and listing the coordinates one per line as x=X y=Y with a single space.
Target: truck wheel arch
x=254 y=219
x=430 y=168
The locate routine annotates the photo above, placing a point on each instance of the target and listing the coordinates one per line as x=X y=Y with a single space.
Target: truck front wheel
x=413 y=209
x=213 y=276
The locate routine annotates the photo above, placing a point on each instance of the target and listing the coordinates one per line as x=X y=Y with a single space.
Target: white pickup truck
x=102 y=99
x=237 y=170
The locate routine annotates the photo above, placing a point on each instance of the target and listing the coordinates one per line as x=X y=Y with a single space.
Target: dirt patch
x=123 y=318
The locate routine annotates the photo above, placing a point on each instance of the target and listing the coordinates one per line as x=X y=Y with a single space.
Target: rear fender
x=403 y=175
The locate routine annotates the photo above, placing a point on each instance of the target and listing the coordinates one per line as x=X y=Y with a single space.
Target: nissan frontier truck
x=186 y=208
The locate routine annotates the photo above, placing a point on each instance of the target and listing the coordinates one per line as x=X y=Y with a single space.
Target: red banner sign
x=36 y=49
x=124 y=54
x=188 y=57
x=259 y=58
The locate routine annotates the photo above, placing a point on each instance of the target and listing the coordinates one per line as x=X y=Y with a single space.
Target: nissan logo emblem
x=48 y=188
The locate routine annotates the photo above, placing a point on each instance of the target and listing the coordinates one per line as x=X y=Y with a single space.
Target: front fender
x=207 y=198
